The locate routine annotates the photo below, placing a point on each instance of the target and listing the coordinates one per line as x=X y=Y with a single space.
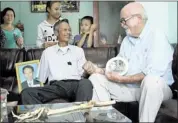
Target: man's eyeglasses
x=124 y=20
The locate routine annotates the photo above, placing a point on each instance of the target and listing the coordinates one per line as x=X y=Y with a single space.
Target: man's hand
x=91 y=68
x=86 y=33
x=48 y=44
x=114 y=76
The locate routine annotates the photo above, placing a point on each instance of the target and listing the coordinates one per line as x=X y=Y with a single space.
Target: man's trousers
x=77 y=90
x=151 y=93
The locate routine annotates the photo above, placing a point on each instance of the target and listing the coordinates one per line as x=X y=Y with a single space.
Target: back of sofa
x=99 y=56
x=34 y=54
x=174 y=86
x=8 y=58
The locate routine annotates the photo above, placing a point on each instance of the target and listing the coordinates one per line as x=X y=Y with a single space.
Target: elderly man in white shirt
x=149 y=75
x=62 y=65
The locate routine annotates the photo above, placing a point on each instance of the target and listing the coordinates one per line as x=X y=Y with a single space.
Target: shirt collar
x=57 y=48
x=133 y=40
x=31 y=82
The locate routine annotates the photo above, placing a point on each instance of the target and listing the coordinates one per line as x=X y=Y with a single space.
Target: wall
x=161 y=14
x=31 y=20
x=172 y=25
x=109 y=16
x=164 y=16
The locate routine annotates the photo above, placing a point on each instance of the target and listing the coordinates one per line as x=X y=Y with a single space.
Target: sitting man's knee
x=95 y=75
x=86 y=83
x=26 y=91
x=150 y=81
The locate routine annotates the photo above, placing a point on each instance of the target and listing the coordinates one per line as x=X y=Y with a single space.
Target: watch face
x=117 y=64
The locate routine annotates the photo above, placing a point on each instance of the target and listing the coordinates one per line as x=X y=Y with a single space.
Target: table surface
x=96 y=114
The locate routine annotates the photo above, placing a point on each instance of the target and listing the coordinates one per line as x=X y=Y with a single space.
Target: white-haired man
x=149 y=56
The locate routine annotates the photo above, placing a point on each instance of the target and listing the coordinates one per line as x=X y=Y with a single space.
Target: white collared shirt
x=150 y=54
x=58 y=65
x=30 y=83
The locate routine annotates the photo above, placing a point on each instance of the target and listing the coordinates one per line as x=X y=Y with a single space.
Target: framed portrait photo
x=66 y=6
x=38 y=6
x=26 y=73
x=70 y=6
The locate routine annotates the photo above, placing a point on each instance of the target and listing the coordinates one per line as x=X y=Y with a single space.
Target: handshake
x=91 y=68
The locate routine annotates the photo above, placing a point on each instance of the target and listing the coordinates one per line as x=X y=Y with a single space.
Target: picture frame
x=26 y=73
x=70 y=6
x=66 y=6
x=38 y=6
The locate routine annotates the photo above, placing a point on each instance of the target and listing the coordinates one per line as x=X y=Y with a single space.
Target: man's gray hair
x=56 y=26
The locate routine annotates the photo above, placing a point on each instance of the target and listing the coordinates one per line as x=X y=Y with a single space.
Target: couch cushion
x=174 y=86
x=8 y=82
x=162 y=118
x=169 y=107
x=34 y=54
x=8 y=58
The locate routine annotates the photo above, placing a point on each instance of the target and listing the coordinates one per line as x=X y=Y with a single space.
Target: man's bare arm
x=82 y=40
x=132 y=78
x=91 y=68
x=115 y=77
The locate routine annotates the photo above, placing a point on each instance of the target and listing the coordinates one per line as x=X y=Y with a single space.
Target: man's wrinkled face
x=28 y=73
x=129 y=22
x=64 y=32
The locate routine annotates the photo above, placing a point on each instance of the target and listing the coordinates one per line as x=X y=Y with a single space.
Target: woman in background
x=13 y=35
x=46 y=35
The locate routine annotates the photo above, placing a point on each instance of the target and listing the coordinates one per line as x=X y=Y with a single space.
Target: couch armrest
x=174 y=90
x=7 y=83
